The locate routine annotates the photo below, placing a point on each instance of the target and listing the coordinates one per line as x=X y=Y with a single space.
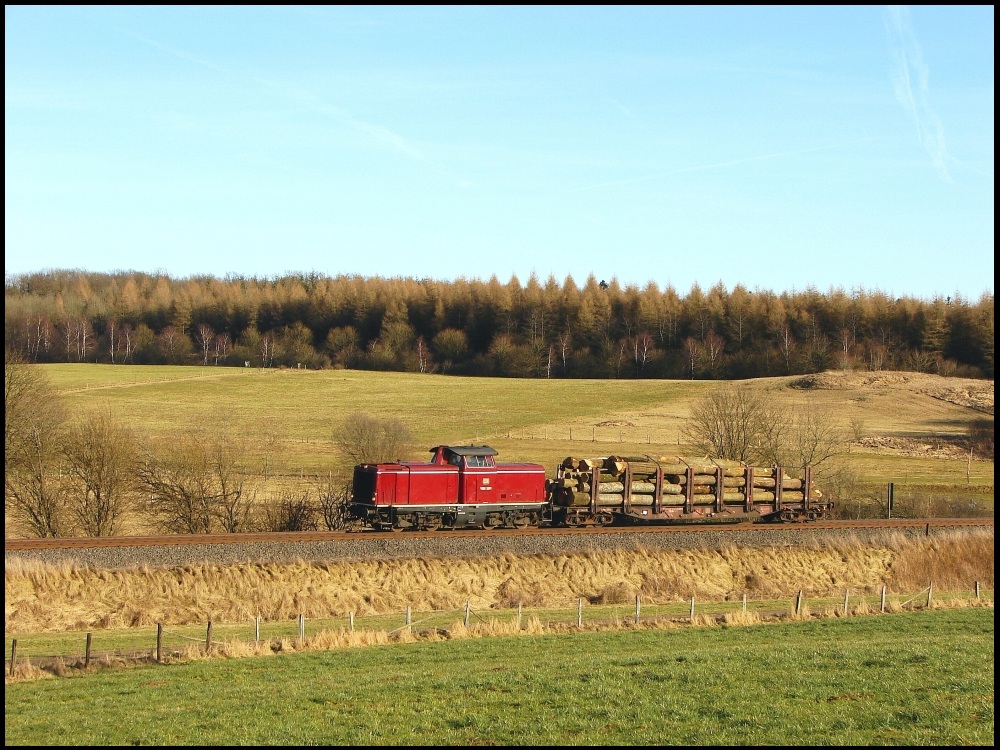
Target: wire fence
x=62 y=652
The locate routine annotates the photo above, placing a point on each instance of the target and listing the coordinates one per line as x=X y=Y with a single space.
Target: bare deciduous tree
x=100 y=457
x=334 y=494
x=175 y=482
x=728 y=423
x=201 y=482
x=292 y=513
x=803 y=436
x=33 y=433
x=743 y=424
x=367 y=439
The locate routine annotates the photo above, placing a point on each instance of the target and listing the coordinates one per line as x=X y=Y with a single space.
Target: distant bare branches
x=367 y=439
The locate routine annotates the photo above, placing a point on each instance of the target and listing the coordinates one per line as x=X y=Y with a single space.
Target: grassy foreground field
x=923 y=678
x=904 y=426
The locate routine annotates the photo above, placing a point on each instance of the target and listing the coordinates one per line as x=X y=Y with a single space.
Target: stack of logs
x=577 y=475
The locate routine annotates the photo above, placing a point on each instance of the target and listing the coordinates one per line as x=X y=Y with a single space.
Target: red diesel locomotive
x=461 y=487
x=464 y=487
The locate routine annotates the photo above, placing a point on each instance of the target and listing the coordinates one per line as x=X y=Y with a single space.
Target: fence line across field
x=619 y=613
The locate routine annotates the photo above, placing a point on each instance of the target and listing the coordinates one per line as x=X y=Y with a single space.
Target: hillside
x=912 y=430
x=888 y=412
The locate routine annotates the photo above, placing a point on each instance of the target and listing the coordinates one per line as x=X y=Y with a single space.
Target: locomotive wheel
x=433 y=523
x=521 y=522
x=492 y=522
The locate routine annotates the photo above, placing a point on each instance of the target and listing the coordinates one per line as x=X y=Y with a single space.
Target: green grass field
x=920 y=678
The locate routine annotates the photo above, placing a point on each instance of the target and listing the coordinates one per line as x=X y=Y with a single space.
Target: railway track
x=301 y=537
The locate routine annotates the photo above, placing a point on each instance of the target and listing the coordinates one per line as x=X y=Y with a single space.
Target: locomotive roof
x=469 y=450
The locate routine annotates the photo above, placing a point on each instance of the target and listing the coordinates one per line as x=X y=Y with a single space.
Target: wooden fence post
x=256 y=629
x=846 y=592
x=13 y=656
x=744 y=602
x=159 y=642
x=579 y=612
x=466 y=621
x=930 y=593
x=637 y=604
x=798 y=603
x=883 y=598
x=350 y=619
x=977 y=590
x=302 y=627
x=691 y=615
x=208 y=637
x=86 y=654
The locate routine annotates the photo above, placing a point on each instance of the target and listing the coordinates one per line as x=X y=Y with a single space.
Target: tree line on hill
x=599 y=329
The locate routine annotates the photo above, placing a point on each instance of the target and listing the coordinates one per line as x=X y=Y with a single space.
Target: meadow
x=919 y=678
x=903 y=427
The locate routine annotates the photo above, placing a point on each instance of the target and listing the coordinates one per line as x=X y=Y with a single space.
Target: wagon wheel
x=603 y=519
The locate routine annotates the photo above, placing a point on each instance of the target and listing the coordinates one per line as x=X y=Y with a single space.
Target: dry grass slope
x=46 y=598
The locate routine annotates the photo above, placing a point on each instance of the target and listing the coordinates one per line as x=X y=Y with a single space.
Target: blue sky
x=777 y=148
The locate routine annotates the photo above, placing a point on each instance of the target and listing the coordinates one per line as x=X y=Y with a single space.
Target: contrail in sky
x=375 y=132
x=910 y=77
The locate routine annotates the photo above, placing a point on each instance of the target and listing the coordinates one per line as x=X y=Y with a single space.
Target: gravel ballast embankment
x=373 y=546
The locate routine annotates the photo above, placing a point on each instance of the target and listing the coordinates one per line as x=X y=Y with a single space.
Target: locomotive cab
x=463 y=456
